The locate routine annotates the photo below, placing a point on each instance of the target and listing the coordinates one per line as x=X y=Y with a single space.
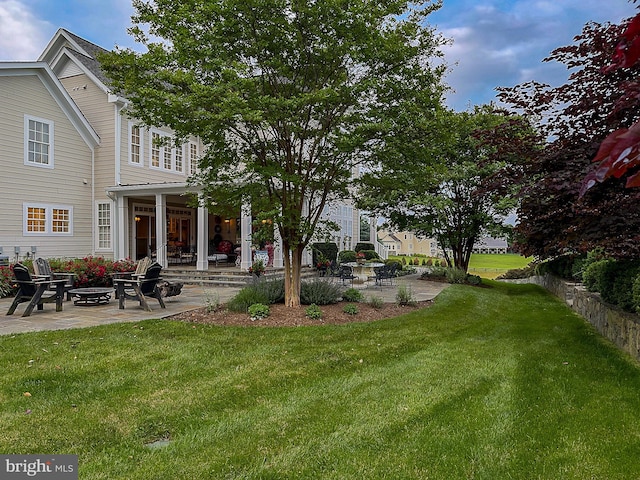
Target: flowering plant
x=360 y=256
x=257 y=267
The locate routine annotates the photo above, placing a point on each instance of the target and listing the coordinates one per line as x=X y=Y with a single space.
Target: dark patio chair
x=346 y=273
x=42 y=271
x=33 y=291
x=140 y=288
x=385 y=272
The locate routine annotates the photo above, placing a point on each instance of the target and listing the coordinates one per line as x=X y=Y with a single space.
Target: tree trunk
x=292 y=271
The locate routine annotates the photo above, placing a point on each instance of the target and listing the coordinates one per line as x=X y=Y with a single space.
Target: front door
x=145 y=236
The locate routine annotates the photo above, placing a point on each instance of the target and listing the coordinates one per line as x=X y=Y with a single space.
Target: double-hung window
x=38 y=142
x=104 y=226
x=136 y=149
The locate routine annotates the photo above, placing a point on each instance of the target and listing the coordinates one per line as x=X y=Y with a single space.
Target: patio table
x=91 y=296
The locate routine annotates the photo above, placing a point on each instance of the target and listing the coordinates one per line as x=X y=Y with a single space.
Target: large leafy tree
x=439 y=179
x=287 y=95
x=575 y=118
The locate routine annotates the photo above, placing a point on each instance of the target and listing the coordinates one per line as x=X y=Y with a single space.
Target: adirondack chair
x=140 y=288
x=42 y=270
x=33 y=291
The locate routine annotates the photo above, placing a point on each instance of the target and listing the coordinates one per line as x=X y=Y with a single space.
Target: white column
x=120 y=223
x=202 y=263
x=161 y=230
x=245 y=235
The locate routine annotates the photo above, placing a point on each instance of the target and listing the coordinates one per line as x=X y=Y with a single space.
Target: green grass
x=490 y=266
x=488 y=383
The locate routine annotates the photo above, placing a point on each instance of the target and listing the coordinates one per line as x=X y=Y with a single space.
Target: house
x=408 y=243
x=82 y=178
x=48 y=159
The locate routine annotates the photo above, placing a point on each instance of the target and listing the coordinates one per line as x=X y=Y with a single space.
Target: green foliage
x=350 y=309
x=319 y=292
x=362 y=246
x=562 y=266
x=615 y=280
x=370 y=254
x=324 y=251
x=258 y=311
x=404 y=296
x=313 y=312
x=245 y=298
x=352 y=295
x=211 y=301
x=287 y=97
x=268 y=292
x=273 y=290
x=456 y=275
x=376 y=302
x=593 y=275
x=474 y=279
x=346 y=256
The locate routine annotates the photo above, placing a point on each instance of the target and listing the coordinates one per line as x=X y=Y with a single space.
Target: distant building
x=491 y=245
x=408 y=243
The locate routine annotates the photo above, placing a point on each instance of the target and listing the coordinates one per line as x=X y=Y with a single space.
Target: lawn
x=488 y=383
x=490 y=266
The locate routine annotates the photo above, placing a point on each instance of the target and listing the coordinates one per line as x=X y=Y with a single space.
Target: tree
x=575 y=118
x=437 y=182
x=287 y=95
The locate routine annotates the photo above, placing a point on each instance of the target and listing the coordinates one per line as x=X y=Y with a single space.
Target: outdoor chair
x=42 y=271
x=33 y=291
x=385 y=272
x=140 y=288
x=346 y=273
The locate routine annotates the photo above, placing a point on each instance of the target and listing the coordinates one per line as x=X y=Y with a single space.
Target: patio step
x=223 y=278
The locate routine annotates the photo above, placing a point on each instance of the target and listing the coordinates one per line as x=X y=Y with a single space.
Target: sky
x=496 y=43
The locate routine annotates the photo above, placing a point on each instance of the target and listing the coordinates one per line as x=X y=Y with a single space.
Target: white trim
x=50 y=143
x=48 y=221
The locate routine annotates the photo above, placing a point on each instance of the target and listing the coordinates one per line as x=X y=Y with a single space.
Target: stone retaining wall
x=622 y=328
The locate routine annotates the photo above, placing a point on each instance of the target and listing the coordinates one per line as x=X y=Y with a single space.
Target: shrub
x=404 y=296
x=346 y=256
x=258 y=311
x=435 y=272
x=525 y=272
x=245 y=298
x=350 y=309
x=456 y=275
x=370 y=255
x=319 y=292
x=273 y=290
x=324 y=250
x=617 y=283
x=313 y=312
x=376 y=302
x=561 y=266
x=474 y=279
x=593 y=275
x=614 y=280
x=363 y=246
x=352 y=295
x=211 y=301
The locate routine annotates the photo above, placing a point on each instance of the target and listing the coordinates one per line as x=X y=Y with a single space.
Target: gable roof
x=68 y=51
x=57 y=92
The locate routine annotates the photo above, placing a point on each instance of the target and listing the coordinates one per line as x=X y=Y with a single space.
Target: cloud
x=503 y=43
x=23 y=34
